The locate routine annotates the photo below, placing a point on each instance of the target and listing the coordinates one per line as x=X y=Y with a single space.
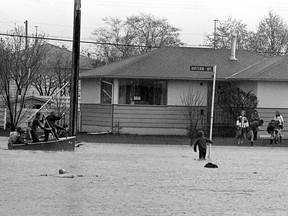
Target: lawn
x=159 y=139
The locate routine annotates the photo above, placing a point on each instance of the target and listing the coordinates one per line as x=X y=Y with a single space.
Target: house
x=56 y=68
x=146 y=91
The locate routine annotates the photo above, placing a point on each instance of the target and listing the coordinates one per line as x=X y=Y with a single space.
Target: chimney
x=233 y=49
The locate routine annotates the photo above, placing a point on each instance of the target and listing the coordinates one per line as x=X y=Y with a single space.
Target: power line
x=70 y=40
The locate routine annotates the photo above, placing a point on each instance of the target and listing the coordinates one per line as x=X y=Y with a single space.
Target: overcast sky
x=193 y=17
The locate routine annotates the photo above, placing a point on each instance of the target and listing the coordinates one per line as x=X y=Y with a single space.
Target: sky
x=194 y=18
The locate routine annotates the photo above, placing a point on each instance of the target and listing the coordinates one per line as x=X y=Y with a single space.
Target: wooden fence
x=3 y=118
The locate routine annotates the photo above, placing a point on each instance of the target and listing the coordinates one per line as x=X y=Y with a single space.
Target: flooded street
x=126 y=179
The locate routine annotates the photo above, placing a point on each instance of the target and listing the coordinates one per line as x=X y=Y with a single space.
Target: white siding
x=178 y=89
x=272 y=95
x=90 y=91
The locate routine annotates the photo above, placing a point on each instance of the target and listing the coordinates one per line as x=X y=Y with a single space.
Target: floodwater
x=127 y=179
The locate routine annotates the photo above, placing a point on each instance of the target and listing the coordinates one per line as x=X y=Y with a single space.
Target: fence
x=3 y=118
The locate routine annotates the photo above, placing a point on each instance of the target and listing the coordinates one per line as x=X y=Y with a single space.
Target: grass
x=161 y=139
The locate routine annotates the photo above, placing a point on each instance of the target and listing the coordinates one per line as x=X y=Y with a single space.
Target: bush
x=220 y=130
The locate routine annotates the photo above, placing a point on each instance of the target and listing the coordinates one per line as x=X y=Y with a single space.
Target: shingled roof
x=175 y=62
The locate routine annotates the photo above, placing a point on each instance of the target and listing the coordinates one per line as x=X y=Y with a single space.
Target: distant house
x=35 y=102
x=58 y=59
x=147 y=90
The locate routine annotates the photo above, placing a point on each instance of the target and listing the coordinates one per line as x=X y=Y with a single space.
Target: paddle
x=54 y=135
x=48 y=100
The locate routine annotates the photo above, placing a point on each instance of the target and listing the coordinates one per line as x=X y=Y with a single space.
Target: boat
x=63 y=144
x=66 y=143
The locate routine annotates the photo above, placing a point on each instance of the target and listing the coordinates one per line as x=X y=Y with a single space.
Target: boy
x=35 y=124
x=51 y=123
x=253 y=127
x=201 y=142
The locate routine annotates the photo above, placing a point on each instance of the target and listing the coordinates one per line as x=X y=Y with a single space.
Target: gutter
x=244 y=69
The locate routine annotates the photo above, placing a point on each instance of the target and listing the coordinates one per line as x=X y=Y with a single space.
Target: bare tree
x=19 y=64
x=269 y=39
x=271 y=35
x=225 y=30
x=192 y=112
x=144 y=31
x=56 y=71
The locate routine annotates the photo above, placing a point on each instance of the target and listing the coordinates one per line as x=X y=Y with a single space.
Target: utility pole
x=215 y=22
x=75 y=69
x=26 y=33
x=36 y=27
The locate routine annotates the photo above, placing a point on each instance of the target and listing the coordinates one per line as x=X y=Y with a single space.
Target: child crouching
x=201 y=142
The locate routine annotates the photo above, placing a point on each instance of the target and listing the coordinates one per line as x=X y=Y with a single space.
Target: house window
x=140 y=91
x=106 y=92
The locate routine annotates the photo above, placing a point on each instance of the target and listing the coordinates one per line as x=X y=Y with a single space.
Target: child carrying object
x=201 y=142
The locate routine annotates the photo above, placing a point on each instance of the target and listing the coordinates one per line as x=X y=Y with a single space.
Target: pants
x=255 y=135
x=35 y=137
x=202 y=153
x=53 y=132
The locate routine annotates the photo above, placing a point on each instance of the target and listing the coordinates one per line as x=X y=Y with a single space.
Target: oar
x=48 y=101
x=54 y=135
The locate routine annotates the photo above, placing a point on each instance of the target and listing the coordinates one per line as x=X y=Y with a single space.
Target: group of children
x=274 y=128
x=48 y=125
x=249 y=131
x=245 y=130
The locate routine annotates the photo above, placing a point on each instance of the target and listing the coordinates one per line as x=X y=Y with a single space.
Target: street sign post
x=208 y=69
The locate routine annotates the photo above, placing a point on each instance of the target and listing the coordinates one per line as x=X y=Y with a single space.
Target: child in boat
x=35 y=124
x=51 y=123
x=17 y=136
x=28 y=135
x=64 y=132
x=201 y=142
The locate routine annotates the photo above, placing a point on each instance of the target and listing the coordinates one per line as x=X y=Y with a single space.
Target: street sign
x=201 y=68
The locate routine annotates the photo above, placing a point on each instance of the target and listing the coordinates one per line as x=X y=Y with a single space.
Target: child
x=273 y=130
x=28 y=135
x=279 y=124
x=17 y=136
x=253 y=127
x=242 y=127
x=201 y=142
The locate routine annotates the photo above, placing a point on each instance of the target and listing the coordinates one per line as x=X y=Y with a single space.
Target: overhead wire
x=70 y=40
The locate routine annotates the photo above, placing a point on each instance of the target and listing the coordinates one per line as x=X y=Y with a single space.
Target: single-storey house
x=146 y=91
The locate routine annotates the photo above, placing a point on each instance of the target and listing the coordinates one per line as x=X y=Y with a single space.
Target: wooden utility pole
x=26 y=33
x=215 y=22
x=75 y=69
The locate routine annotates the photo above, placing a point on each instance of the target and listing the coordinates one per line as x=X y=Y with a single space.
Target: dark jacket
x=201 y=142
x=51 y=119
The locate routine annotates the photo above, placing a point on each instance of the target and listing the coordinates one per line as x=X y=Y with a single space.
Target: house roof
x=175 y=62
x=64 y=56
x=42 y=99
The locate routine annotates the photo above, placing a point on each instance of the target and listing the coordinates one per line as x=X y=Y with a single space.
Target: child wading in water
x=201 y=142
